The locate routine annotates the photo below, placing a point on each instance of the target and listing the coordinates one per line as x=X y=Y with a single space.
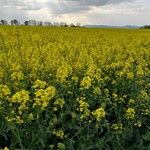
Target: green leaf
x=146 y=137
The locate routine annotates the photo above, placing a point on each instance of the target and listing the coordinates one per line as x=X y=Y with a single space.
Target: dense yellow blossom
x=18 y=75
x=130 y=113
x=43 y=97
x=40 y=84
x=73 y=85
x=4 y=90
x=86 y=82
x=63 y=72
x=20 y=97
x=99 y=113
x=130 y=75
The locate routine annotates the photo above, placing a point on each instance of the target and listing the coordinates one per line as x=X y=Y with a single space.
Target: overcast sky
x=105 y=12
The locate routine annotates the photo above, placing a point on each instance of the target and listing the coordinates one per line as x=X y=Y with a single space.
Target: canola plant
x=74 y=88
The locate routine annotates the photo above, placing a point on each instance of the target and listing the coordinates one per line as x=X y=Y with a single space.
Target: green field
x=74 y=88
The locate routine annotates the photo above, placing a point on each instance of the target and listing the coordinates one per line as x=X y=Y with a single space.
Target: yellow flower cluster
x=97 y=91
x=17 y=75
x=39 y=84
x=86 y=83
x=83 y=107
x=130 y=75
x=138 y=124
x=130 y=113
x=63 y=72
x=44 y=96
x=21 y=97
x=99 y=113
x=61 y=146
x=59 y=133
x=4 y=90
x=75 y=79
x=59 y=103
x=99 y=80
x=117 y=127
x=17 y=119
x=140 y=71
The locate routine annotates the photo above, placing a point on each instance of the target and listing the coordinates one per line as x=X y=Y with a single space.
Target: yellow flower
x=43 y=97
x=40 y=84
x=18 y=75
x=114 y=82
x=18 y=120
x=20 y=97
x=99 y=113
x=130 y=75
x=140 y=71
x=86 y=83
x=6 y=148
x=31 y=116
x=59 y=103
x=114 y=95
x=61 y=146
x=138 y=124
x=4 y=90
x=63 y=72
x=50 y=92
x=59 y=133
x=130 y=113
x=91 y=70
x=97 y=91
x=117 y=126
x=83 y=108
x=75 y=79
x=131 y=102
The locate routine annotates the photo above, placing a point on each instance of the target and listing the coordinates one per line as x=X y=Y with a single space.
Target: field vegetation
x=74 y=88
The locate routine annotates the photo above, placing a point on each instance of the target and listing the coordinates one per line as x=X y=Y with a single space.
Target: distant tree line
x=15 y=22
x=145 y=27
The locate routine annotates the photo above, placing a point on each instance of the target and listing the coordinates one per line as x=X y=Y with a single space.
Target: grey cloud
x=18 y=9
x=20 y=4
x=71 y=6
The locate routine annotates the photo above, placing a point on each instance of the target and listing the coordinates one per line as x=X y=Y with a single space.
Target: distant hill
x=145 y=27
x=107 y=26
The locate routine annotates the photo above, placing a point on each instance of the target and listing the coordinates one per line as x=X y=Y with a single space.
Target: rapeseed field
x=74 y=88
